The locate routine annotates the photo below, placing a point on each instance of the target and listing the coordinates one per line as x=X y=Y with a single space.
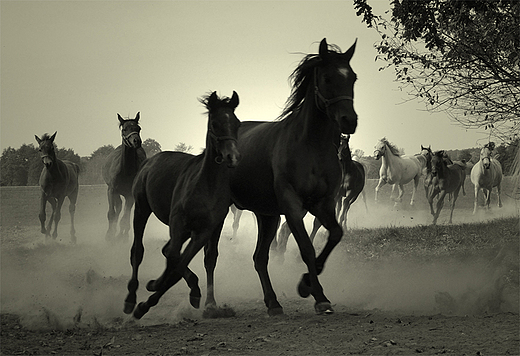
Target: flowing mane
x=211 y=106
x=301 y=78
x=393 y=148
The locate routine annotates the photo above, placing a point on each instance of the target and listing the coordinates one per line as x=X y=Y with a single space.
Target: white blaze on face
x=344 y=72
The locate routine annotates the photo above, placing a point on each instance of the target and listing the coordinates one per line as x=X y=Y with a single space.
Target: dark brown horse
x=445 y=179
x=351 y=187
x=59 y=179
x=191 y=195
x=119 y=172
x=291 y=167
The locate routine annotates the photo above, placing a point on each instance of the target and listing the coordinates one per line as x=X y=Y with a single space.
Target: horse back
x=277 y=160
x=158 y=177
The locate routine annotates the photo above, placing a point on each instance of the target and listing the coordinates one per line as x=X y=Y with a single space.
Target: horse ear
x=121 y=120
x=39 y=140
x=234 y=100
x=137 y=117
x=350 y=52
x=53 y=136
x=324 y=48
x=213 y=98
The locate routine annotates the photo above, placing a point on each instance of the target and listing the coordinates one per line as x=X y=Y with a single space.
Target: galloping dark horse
x=291 y=167
x=59 y=179
x=191 y=195
x=119 y=172
x=350 y=188
x=445 y=179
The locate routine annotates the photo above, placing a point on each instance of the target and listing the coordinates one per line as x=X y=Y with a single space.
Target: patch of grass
x=433 y=241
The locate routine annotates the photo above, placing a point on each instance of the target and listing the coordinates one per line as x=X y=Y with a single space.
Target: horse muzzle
x=229 y=154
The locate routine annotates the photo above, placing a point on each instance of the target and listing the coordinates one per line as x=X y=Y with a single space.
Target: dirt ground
x=60 y=299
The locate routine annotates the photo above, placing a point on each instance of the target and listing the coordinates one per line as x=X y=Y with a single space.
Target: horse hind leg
x=141 y=215
x=267 y=226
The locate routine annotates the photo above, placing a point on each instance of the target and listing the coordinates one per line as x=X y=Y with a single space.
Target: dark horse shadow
x=59 y=179
x=290 y=166
x=119 y=172
x=191 y=195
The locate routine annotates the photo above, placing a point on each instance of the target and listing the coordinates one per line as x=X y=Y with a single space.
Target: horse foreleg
x=176 y=268
x=326 y=216
x=210 y=261
x=499 y=191
x=475 y=205
x=380 y=184
x=114 y=208
x=267 y=226
x=42 y=216
x=124 y=224
x=414 y=189
x=440 y=204
x=455 y=196
x=141 y=215
x=399 y=198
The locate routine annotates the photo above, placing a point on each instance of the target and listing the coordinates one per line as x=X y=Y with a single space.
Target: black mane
x=302 y=78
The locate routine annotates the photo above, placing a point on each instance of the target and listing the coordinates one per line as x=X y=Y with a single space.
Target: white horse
x=487 y=174
x=398 y=170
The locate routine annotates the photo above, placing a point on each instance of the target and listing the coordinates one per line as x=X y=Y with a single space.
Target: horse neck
x=212 y=173
x=316 y=127
x=389 y=158
x=129 y=160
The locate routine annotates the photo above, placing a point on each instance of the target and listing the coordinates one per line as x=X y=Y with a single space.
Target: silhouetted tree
x=459 y=57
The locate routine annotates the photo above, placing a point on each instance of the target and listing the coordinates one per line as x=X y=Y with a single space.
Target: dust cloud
x=56 y=285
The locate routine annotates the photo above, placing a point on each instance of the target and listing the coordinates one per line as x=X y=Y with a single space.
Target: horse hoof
x=275 y=311
x=140 y=311
x=195 y=301
x=323 y=308
x=129 y=308
x=150 y=286
x=304 y=287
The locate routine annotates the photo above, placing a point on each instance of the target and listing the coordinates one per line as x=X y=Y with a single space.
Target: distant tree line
x=23 y=166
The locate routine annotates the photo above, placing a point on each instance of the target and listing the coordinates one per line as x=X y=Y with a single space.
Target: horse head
x=46 y=148
x=223 y=128
x=427 y=153
x=334 y=86
x=380 y=148
x=438 y=162
x=130 y=131
x=485 y=156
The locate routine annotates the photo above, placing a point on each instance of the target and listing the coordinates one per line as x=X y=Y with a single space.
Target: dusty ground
x=67 y=300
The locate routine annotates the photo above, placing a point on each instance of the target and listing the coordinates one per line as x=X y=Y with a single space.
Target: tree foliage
x=182 y=147
x=460 y=57
x=23 y=166
x=151 y=147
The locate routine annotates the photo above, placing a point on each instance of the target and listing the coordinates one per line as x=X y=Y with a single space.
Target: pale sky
x=71 y=66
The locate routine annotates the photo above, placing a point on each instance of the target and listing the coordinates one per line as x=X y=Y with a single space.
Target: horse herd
x=287 y=167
